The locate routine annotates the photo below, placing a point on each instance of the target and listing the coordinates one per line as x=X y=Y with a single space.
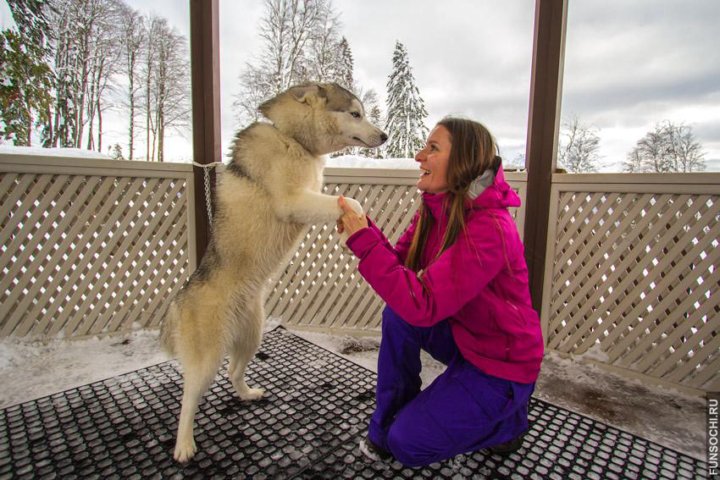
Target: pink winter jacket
x=480 y=283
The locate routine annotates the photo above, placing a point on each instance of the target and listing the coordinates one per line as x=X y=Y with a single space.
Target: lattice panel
x=321 y=286
x=86 y=254
x=635 y=278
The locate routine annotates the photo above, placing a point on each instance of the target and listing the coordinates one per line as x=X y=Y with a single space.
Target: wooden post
x=205 y=75
x=543 y=123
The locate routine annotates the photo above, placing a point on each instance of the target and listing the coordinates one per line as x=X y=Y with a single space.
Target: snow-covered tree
x=578 y=150
x=668 y=148
x=133 y=36
x=322 y=53
x=86 y=59
x=165 y=75
x=104 y=65
x=406 y=112
x=300 y=43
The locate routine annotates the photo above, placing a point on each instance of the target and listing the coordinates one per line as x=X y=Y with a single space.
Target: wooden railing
x=631 y=281
x=91 y=246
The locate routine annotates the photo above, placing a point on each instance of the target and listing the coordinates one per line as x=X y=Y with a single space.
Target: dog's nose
x=383 y=137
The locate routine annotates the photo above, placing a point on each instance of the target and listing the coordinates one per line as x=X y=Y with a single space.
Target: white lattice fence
x=632 y=274
x=321 y=288
x=90 y=246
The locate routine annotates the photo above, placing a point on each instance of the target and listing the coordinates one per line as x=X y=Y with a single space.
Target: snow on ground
x=668 y=417
x=33 y=370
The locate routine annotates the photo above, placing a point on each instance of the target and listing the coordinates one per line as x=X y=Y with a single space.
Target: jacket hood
x=497 y=195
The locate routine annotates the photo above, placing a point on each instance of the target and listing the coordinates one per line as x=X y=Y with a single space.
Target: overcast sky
x=628 y=65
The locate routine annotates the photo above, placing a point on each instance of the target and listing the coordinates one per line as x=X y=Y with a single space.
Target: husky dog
x=268 y=194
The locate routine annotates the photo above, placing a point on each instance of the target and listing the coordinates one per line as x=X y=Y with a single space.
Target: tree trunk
x=131 y=130
x=147 y=112
x=100 y=130
x=28 y=115
x=161 y=137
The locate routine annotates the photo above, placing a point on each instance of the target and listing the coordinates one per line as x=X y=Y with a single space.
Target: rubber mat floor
x=315 y=412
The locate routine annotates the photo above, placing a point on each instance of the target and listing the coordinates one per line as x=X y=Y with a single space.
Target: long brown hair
x=473 y=150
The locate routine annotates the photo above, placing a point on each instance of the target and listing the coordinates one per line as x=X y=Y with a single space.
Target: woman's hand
x=350 y=221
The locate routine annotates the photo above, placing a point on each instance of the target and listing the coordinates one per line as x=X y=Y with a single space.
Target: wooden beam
x=543 y=122
x=205 y=76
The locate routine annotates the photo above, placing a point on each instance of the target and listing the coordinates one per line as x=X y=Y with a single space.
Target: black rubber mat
x=309 y=424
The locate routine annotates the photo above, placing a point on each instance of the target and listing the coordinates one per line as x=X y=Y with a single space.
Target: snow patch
x=595 y=353
x=272 y=323
x=36 y=369
x=52 y=152
x=358 y=344
x=357 y=161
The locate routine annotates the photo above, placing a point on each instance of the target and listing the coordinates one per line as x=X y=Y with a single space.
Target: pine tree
x=26 y=85
x=375 y=116
x=406 y=112
x=345 y=66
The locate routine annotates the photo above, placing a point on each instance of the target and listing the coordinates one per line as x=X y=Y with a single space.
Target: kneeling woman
x=456 y=285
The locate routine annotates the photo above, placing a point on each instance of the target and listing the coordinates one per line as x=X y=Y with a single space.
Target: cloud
x=628 y=65
x=640 y=55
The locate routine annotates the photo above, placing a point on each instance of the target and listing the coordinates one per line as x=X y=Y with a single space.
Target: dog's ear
x=308 y=92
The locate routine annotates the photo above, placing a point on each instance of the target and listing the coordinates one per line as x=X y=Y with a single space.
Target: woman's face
x=434 y=160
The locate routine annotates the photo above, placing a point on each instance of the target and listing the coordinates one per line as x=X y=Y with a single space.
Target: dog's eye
x=355 y=114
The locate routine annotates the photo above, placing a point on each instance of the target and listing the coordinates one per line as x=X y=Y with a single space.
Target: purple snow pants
x=463 y=410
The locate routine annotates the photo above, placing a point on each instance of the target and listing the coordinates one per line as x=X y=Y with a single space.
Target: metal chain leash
x=206 y=177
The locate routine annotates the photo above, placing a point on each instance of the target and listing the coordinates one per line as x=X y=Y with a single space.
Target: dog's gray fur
x=268 y=194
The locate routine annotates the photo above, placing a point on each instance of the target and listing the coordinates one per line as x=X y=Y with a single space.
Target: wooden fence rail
x=631 y=279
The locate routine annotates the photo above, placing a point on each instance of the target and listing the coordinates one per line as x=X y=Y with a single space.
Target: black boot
x=508 y=447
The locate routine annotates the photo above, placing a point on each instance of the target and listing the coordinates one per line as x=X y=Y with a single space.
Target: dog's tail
x=168 y=328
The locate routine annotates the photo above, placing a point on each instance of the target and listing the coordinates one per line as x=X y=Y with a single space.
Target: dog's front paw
x=251 y=394
x=184 y=450
x=355 y=205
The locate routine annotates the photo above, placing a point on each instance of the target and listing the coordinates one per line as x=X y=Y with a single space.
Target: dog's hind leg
x=198 y=377
x=243 y=350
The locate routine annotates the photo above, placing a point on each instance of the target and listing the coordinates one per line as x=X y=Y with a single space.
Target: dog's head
x=323 y=117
